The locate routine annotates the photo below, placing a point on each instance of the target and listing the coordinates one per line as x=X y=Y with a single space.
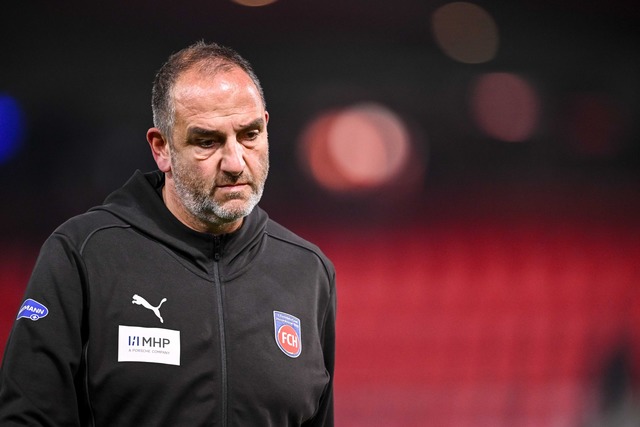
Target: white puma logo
x=137 y=299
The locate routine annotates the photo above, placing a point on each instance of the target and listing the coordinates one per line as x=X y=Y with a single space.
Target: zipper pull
x=217 y=248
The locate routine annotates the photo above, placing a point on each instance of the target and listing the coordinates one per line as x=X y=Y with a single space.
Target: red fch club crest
x=288 y=335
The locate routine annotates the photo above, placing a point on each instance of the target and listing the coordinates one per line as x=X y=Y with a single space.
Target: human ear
x=159 y=149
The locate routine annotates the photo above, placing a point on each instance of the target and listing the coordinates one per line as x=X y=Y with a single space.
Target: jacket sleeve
x=324 y=415
x=41 y=378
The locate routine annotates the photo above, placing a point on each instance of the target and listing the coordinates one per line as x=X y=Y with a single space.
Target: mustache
x=229 y=179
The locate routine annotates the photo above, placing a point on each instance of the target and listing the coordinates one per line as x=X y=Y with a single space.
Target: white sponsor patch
x=151 y=345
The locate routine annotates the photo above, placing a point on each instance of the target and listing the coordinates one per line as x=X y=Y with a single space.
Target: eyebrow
x=257 y=123
x=200 y=132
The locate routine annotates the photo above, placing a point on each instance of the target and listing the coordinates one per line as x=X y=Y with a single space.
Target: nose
x=232 y=161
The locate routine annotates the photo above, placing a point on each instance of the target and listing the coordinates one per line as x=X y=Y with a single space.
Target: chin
x=233 y=211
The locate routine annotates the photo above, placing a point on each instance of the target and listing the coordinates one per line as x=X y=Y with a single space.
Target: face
x=217 y=162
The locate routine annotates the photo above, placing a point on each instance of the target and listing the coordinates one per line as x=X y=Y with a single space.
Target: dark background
x=457 y=297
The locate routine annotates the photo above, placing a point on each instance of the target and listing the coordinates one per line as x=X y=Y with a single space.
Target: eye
x=252 y=134
x=206 y=143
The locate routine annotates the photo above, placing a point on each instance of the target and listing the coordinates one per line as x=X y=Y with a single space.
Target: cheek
x=202 y=177
x=206 y=170
x=195 y=170
x=259 y=162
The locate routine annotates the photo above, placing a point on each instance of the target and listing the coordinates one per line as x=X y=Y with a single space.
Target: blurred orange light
x=465 y=32
x=360 y=147
x=505 y=106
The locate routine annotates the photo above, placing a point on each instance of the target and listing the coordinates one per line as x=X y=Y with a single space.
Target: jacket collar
x=139 y=203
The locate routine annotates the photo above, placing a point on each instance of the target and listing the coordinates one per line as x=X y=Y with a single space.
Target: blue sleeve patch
x=32 y=309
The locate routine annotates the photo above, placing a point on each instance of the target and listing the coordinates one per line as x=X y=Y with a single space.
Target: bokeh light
x=465 y=32
x=505 y=106
x=11 y=127
x=360 y=147
x=254 y=3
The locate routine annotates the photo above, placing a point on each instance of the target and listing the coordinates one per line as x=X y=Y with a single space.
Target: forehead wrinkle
x=202 y=102
x=198 y=100
x=193 y=83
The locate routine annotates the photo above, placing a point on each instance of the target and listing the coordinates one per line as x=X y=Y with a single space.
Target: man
x=178 y=302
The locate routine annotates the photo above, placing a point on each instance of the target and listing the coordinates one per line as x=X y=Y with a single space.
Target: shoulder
x=297 y=243
x=79 y=229
x=279 y=232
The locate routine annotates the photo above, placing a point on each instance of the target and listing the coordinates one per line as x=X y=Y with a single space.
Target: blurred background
x=472 y=169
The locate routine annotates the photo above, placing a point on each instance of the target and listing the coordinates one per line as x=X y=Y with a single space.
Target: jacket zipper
x=217 y=255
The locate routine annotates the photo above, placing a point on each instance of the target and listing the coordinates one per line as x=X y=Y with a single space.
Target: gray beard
x=201 y=205
x=198 y=200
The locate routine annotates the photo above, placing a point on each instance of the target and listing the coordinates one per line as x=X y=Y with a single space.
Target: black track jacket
x=131 y=318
